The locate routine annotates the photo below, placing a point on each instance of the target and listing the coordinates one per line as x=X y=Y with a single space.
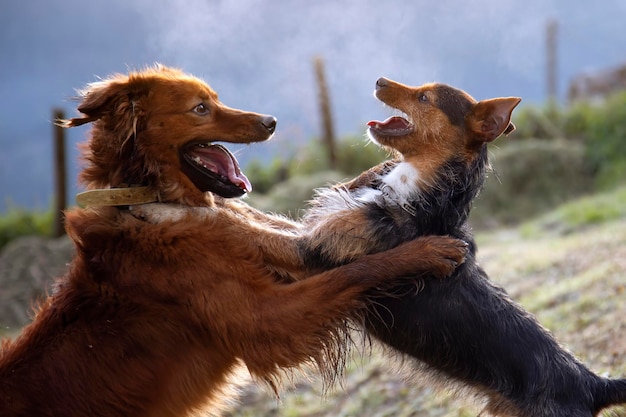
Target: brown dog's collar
x=116 y=197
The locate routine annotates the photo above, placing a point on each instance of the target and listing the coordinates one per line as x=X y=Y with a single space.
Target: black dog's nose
x=382 y=82
x=269 y=122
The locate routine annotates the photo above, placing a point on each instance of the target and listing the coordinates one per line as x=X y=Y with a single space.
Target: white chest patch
x=402 y=182
x=367 y=195
x=399 y=186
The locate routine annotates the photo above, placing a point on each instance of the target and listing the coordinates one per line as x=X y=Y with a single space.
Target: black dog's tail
x=609 y=392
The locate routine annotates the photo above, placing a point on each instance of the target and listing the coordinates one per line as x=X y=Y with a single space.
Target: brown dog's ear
x=491 y=118
x=98 y=99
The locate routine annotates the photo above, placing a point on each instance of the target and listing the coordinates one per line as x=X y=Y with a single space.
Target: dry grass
x=572 y=277
x=567 y=267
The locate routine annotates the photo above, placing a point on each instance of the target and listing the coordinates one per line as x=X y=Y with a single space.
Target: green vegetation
x=353 y=157
x=530 y=177
x=18 y=222
x=599 y=127
x=285 y=187
x=580 y=213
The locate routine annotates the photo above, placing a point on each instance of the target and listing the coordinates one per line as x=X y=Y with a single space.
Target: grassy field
x=567 y=267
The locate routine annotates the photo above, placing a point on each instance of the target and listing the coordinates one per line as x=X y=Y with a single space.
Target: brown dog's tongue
x=219 y=160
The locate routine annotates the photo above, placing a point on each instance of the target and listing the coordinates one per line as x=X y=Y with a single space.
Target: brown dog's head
x=158 y=128
x=440 y=122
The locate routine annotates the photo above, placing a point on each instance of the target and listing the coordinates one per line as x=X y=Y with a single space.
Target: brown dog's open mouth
x=393 y=126
x=214 y=168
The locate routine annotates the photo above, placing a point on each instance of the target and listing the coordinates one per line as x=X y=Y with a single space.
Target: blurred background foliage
x=556 y=153
x=17 y=222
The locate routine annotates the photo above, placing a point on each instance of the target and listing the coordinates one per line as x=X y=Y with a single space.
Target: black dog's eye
x=423 y=98
x=201 y=109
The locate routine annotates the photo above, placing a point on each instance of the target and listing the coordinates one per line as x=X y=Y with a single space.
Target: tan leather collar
x=116 y=197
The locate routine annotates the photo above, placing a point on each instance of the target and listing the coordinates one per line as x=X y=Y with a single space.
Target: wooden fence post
x=60 y=177
x=328 y=132
x=551 y=62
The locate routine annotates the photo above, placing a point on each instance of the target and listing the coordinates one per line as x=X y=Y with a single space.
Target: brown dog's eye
x=201 y=109
x=423 y=98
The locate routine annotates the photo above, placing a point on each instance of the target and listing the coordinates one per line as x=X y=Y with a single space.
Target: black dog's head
x=439 y=123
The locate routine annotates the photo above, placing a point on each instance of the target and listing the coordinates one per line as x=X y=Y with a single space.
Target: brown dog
x=464 y=329
x=154 y=316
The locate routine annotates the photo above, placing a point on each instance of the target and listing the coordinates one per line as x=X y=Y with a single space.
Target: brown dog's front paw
x=436 y=256
x=444 y=254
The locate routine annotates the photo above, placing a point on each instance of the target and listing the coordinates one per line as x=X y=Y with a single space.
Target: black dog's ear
x=510 y=128
x=491 y=118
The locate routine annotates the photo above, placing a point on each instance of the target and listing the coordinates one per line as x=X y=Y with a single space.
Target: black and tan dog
x=463 y=329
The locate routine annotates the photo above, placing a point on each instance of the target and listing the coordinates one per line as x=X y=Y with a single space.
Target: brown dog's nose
x=269 y=122
x=382 y=82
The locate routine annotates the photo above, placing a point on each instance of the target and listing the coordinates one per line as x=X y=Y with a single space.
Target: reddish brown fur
x=153 y=316
x=158 y=103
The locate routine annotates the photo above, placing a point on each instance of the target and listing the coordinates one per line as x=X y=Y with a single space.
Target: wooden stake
x=60 y=177
x=328 y=133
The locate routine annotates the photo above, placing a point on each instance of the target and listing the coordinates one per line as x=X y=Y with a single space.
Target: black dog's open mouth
x=213 y=168
x=393 y=126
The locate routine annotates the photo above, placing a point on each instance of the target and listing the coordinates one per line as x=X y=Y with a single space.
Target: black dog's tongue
x=393 y=126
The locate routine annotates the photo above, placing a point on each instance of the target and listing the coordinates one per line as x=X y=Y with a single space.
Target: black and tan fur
x=464 y=329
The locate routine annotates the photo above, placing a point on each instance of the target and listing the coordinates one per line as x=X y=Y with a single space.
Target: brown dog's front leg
x=319 y=306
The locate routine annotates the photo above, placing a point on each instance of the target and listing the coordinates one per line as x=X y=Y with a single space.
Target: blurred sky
x=258 y=56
